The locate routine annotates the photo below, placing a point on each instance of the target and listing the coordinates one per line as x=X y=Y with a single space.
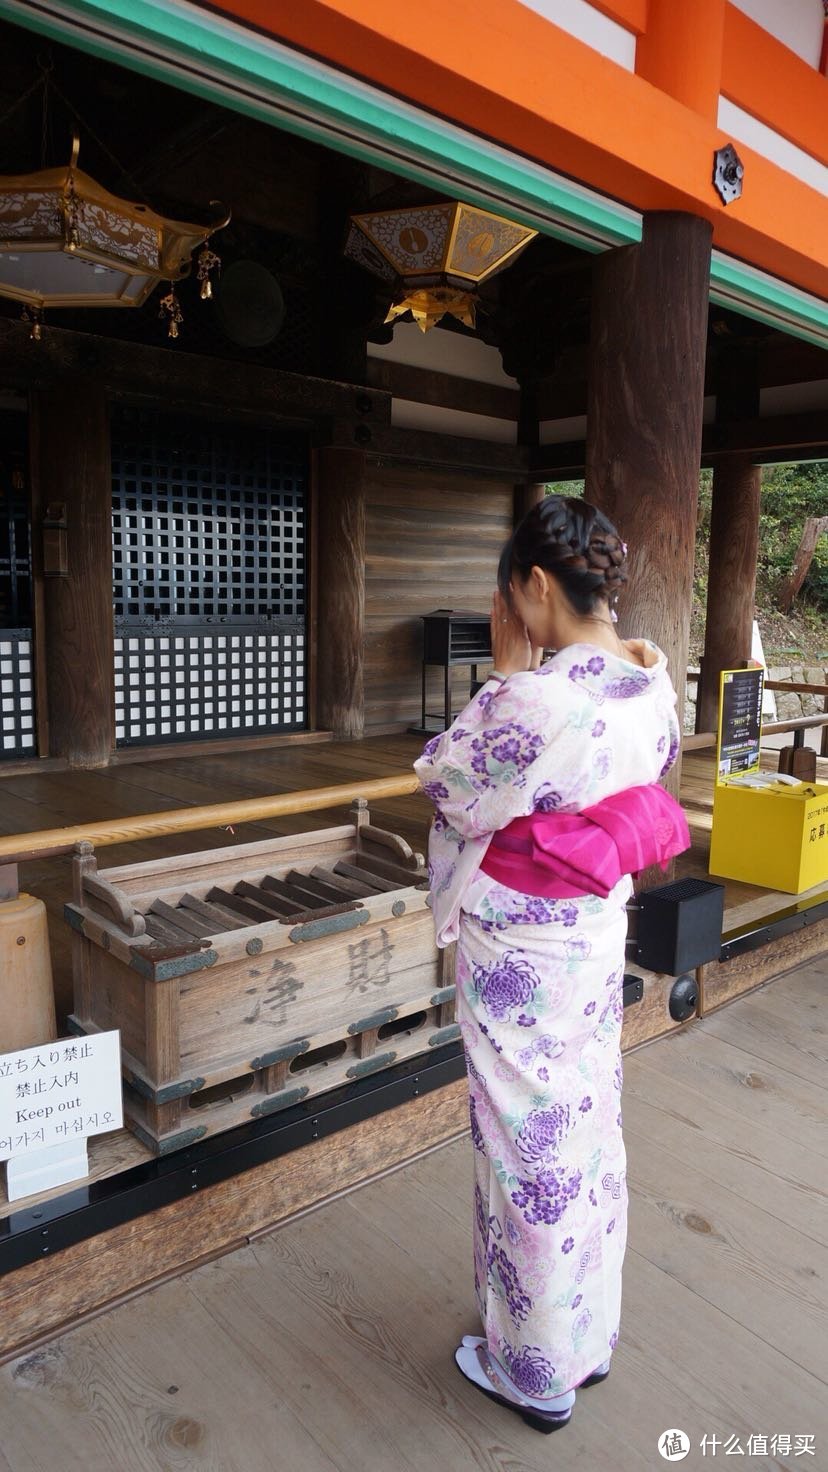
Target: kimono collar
x=607 y=675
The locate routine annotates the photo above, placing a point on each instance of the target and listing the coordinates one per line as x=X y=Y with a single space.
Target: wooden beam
x=780 y=360
x=566 y=461
x=790 y=436
x=451 y=452
x=446 y=390
x=180 y=380
x=778 y=432
x=340 y=540
x=71 y=469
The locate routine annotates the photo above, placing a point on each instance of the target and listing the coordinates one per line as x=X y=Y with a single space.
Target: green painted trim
x=754 y=293
x=319 y=103
x=220 y=61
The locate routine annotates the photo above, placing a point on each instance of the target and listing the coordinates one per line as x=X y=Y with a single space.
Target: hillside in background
x=790 y=494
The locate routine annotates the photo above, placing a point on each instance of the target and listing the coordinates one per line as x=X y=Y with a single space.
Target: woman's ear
x=539 y=579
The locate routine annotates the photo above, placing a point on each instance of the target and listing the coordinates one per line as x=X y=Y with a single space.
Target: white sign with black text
x=59 y=1092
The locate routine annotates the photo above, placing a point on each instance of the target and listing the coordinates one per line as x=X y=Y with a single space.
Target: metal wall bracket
x=728 y=172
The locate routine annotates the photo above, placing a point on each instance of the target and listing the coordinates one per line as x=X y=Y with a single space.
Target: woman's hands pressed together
x=512 y=650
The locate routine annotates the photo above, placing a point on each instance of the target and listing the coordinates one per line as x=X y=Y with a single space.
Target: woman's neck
x=597 y=629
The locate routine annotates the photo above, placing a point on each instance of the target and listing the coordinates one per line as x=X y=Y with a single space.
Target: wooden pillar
x=340 y=543
x=644 y=422
x=527 y=496
x=731 y=587
x=71 y=469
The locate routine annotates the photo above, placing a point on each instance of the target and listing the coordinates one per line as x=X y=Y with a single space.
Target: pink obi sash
x=565 y=855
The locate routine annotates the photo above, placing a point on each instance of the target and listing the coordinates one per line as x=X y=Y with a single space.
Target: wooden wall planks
x=433 y=540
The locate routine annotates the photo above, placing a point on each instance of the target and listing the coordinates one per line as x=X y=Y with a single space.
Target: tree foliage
x=790 y=494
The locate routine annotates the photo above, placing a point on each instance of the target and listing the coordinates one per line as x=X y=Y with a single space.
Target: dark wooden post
x=71 y=469
x=731 y=587
x=644 y=422
x=527 y=496
x=340 y=543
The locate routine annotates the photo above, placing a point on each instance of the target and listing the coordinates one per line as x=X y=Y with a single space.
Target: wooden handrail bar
x=17 y=848
x=781 y=685
x=797 y=689
x=702 y=739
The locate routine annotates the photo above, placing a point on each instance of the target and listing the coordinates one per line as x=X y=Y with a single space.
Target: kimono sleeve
x=478 y=772
x=673 y=734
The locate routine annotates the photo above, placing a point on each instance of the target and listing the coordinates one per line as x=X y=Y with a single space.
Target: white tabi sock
x=467 y=1360
x=471 y=1340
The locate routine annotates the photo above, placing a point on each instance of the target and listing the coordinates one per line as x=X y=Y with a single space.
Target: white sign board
x=59 y=1092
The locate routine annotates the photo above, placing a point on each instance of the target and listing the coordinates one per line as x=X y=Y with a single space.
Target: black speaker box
x=680 y=925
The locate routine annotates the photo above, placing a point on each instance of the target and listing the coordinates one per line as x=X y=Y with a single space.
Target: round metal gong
x=250 y=307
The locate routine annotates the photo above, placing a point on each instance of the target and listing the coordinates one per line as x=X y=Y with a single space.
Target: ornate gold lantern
x=435 y=255
x=65 y=241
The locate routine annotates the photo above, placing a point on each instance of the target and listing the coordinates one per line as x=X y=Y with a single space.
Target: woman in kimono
x=540 y=959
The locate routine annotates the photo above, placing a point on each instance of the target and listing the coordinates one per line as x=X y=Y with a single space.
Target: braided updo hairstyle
x=575 y=543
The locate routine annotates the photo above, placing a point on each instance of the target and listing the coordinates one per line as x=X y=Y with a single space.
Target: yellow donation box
x=768 y=829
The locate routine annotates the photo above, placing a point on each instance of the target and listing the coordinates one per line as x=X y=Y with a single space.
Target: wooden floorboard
x=328 y=1344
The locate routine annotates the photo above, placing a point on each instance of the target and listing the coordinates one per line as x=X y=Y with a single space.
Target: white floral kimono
x=539 y=999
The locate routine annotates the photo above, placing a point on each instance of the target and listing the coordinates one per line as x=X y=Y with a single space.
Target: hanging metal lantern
x=435 y=256
x=65 y=241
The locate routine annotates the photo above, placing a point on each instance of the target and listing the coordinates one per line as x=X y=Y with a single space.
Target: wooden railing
x=17 y=848
x=798 y=724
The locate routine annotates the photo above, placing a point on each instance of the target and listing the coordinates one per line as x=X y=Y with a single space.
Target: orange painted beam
x=489 y=71
x=681 y=52
x=774 y=84
x=631 y=14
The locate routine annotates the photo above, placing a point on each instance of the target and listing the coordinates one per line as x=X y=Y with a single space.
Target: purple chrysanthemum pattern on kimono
x=503 y=1271
x=530 y=1369
x=541 y=1133
x=508 y=984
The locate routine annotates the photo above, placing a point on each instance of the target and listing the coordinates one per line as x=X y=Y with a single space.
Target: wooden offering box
x=244 y=980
